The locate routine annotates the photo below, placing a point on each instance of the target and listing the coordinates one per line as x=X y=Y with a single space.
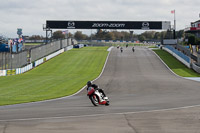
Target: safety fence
x=183 y=49
x=12 y=60
x=17 y=63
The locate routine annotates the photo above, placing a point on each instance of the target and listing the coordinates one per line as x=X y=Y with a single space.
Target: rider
x=121 y=49
x=133 y=49
x=89 y=84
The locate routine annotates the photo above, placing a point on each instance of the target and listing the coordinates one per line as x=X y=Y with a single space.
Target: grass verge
x=32 y=43
x=61 y=76
x=152 y=47
x=175 y=65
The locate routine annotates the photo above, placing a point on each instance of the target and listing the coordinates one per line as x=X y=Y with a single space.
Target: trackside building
x=194 y=29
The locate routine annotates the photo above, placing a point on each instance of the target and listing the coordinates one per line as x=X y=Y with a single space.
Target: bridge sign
x=138 y=25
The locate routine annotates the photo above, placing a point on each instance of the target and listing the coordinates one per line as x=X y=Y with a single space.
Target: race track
x=134 y=82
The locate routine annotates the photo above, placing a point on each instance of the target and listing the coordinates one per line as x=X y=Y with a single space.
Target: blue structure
x=180 y=54
x=16 y=45
x=4 y=48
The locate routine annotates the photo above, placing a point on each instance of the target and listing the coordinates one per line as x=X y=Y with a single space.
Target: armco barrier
x=24 y=69
x=2 y=72
x=177 y=54
x=38 y=62
x=68 y=48
x=54 y=54
x=195 y=67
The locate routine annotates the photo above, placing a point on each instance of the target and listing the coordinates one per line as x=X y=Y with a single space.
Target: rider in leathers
x=89 y=84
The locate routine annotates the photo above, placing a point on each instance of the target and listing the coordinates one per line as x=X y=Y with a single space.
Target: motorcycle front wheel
x=94 y=99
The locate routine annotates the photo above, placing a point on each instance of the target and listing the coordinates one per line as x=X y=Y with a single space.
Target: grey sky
x=30 y=15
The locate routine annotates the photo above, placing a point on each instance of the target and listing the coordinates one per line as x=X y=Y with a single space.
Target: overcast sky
x=30 y=15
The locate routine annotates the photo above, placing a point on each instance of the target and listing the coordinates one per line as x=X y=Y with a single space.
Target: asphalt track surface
x=142 y=92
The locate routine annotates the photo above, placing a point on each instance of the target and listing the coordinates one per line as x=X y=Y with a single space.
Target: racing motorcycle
x=133 y=49
x=96 y=97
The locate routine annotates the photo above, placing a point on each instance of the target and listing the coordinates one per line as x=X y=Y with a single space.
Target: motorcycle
x=121 y=49
x=96 y=97
x=133 y=49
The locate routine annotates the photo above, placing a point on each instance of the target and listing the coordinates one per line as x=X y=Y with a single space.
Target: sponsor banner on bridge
x=140 y=25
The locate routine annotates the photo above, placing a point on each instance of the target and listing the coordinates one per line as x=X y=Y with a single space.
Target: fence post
x=1 y=60
x=11 y=61
x=67 y=42
x=61 y=45
x=5 y=61
x=198 y=58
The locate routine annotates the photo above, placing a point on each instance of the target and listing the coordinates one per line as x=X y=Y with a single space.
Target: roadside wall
x=195 y=67
x=179 y=55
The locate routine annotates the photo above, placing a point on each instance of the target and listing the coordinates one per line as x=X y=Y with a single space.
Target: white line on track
x=94 y=115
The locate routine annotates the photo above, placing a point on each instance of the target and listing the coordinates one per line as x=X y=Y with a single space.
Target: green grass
x=175 y=65
x=116 y=44
x=32 y=43
x=152 y=47
x=61 y=76
x=129 y=44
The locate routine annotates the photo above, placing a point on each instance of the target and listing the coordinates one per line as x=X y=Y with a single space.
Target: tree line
x=127 y=36
x=100 y=34
x=114 y=35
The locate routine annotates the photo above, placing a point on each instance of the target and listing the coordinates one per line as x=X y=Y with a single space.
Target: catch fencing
x=183 y=49
x=12 y=60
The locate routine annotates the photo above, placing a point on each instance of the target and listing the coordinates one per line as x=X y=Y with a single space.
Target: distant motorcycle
x=97 y=98
x=121 y=49
x=133 y=49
